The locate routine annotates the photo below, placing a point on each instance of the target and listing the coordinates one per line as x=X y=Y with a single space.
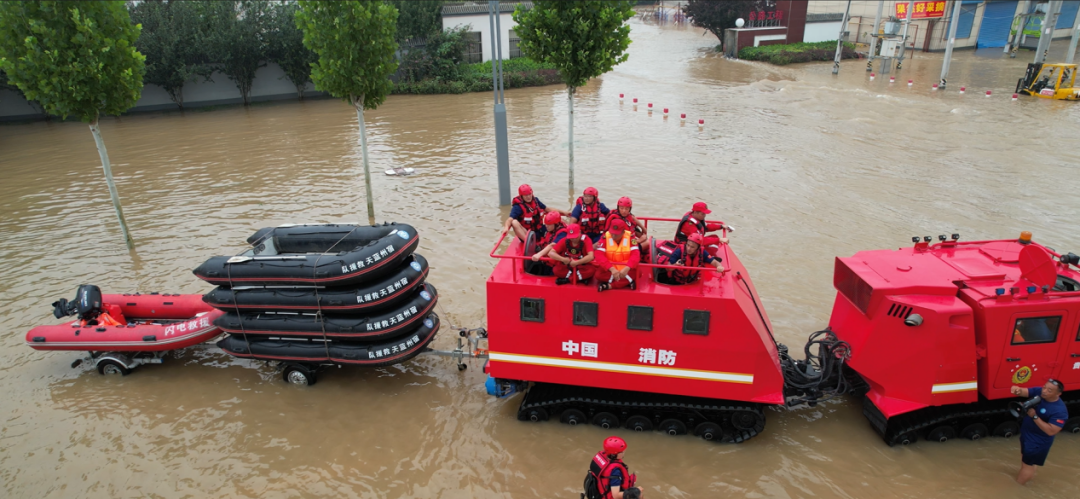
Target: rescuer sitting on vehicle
x=693 y=222
x=1039 y=426
x=552 y=232
x=608 y=472
x=618 y=258
x=590 y=213
x=573 y=255
x=691 y=255
x=526 y=214
x=623 y=212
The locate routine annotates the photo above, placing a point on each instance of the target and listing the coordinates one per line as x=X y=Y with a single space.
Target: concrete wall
x=820 y=32
x=481 y=23
x=270 y=84
x=862 y=20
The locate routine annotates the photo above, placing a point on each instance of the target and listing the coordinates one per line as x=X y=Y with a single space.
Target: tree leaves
x=43 y=54
x=582 y=38
x=716 y=16
x=172 y=41
x=355 y=44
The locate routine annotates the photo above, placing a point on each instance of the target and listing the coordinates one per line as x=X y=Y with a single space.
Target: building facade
x=475 y=18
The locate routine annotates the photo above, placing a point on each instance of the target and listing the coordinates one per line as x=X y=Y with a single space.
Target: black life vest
x=601 y=467
x=592 y=220
x=549 y=236
x=701 y=227
x=532 y=216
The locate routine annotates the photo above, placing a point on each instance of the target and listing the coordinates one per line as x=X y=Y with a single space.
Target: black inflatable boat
x=387 y=324
x=371 y=354
x=370 y=296
x=333 y=255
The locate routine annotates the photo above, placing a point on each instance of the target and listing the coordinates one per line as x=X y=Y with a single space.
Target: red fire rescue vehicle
x=939 y=332
x=931 y=337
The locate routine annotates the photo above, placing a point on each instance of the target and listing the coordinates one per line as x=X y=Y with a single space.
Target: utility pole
x=1047 y=30
x=840 y=39
x=502 y=145
x=954 y=22
x=1019 y=30
x=874 y=36
x=1075 y=38
x=903 y=43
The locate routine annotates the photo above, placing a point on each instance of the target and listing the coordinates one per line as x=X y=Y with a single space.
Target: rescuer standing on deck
x=693 y=222
x=612 y=475
x=1040 y=425
x=618 y=258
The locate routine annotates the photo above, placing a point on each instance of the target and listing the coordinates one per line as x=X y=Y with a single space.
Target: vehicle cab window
x=586 y=313
x=532 y=309
x=1036 y=330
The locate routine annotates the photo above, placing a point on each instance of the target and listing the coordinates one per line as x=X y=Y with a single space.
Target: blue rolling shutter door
x=996 y=24
x=1067 y=19
x=967 y=18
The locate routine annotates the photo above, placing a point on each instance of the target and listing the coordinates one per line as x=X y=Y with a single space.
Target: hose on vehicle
x=820 y=375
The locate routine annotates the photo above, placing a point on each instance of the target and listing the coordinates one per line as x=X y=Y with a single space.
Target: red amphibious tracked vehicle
x=932 y=337
x=940 y=332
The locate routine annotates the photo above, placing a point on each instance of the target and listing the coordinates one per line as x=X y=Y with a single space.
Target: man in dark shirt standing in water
x=1039 y=426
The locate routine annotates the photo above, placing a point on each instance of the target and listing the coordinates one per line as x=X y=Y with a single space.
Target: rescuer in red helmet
x=693 y=222
x=552 y=232
x=590 y=213
x=690 y=255
x=617 y=258
x=573 y=255
x=623 y=212
x=611 y=474
x=526 y=214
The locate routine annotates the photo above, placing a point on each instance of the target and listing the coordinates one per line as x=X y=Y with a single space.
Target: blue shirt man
x=1040 y=425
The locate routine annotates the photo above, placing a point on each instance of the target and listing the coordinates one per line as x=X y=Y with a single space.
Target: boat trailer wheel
x=572 y=417
x=639 y=423
x=605 y=420
x=297 y=374
x=109 y=366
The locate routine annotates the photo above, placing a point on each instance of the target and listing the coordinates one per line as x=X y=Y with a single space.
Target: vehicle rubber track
x=710 y=419
x=971 y=421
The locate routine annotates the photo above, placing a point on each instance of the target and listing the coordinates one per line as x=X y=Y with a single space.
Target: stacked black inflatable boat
x=325 y=294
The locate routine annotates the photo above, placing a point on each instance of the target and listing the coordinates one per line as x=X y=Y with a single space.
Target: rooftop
x=474 y=8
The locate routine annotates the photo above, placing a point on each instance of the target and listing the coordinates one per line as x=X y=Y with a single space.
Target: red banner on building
x=920 y=10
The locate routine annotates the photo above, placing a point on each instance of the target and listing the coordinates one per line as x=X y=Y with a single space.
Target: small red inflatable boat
x=127 y=323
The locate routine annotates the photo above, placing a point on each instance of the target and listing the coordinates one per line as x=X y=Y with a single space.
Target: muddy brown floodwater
x=805 y=164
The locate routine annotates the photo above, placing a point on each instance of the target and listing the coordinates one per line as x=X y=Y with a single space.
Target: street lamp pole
x=840 y=39
x=502 y=146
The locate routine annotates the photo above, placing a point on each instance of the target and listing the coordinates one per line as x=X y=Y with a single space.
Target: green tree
x=418 y=18
x=583 y=39
x=75 y=58
x=355 y=44
x=716 y=15
x=236 y=35
x=287 y=46
x=171 y=40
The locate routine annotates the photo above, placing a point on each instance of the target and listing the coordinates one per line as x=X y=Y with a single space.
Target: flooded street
x=806 y=165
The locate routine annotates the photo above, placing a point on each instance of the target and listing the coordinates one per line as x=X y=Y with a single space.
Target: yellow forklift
x=1049 y=81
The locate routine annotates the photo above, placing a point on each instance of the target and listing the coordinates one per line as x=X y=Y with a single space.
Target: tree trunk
x=359 y=104
x=570 y=101
x=112 y=186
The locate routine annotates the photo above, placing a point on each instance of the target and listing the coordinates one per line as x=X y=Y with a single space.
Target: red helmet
x=614 y=445
x=591 y=191
x=524 y=190
x=696 y=238
x=625 y=201
x=552 y=217
x=617 y=225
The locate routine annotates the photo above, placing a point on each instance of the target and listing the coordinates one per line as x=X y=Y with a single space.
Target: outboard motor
x=87 y=304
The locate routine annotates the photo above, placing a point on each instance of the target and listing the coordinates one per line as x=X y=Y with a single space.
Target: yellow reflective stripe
x=646 y=370
x=962 y=386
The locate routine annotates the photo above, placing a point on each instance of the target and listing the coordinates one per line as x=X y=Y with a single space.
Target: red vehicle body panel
x=174 y=322
x=965 y=347
x=736 y=360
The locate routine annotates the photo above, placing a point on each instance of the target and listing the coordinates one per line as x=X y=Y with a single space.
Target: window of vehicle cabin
x=696 y=322
x=532 y=309
x=1036 y=330
x=586 y=313
x=639 y=318
x=853 y=287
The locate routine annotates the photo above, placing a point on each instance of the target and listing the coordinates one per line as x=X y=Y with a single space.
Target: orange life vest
x=618 y=253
